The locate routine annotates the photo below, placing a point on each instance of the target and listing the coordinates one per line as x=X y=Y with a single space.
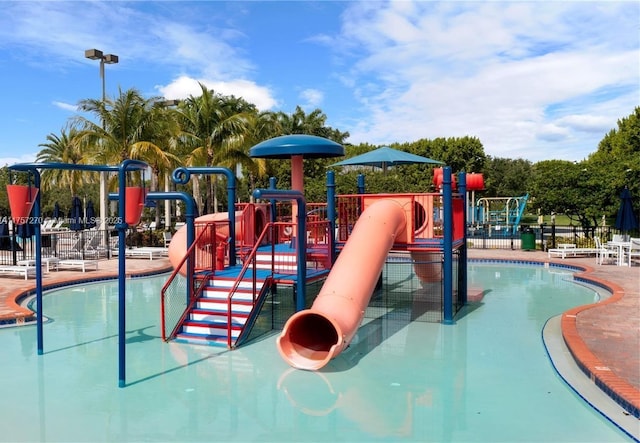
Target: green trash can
x=528 y=239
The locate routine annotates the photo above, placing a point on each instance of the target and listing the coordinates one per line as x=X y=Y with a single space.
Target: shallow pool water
x=485 y=378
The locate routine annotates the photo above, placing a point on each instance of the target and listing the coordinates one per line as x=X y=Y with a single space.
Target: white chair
x=634 y=250
x=58 y=226
x=620 y=238
x=166 y=235
x=48 y=224
x=604 y=253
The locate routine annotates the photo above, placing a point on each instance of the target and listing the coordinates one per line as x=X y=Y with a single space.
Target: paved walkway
x=603 y=338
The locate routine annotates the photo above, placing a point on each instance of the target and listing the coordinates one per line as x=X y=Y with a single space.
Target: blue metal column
x=447 y=246
x=462 y=265
x=37 y=214
x=331 y=213
x=301 y=249
x=361 y=184
x=272 y=186
x=122 y=226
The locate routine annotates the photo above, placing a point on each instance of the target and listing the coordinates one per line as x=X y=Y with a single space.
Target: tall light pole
x=109 y=59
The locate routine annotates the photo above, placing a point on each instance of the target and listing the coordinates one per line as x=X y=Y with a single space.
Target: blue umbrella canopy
x=385 y=157
x=76 y=215
x=56 y=211
x=626 y=219
x=90 y=214
x=6 y=242
x=25 y=230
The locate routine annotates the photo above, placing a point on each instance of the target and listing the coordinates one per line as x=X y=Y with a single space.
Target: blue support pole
x=447 y=245
x=122 y=226
x=282 y=194
x=37 y=214
x=272 y=186
x=462 y=266
x=361 y=184
x=32 y=169
x=331 y=212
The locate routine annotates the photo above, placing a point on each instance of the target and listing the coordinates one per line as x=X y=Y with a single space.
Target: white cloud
x=587 y=123
x=184 y=86
x=312 y=98
x=65 y=106
x=25 y=158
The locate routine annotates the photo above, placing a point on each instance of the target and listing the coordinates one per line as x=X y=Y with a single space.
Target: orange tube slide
x=312 y=337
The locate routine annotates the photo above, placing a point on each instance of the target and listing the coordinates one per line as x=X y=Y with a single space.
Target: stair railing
x=250 y=263
x=175 y=287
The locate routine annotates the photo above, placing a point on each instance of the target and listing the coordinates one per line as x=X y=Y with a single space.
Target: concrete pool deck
x=604 y=339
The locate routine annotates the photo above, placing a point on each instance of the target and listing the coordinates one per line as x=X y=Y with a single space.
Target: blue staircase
x=221 y=314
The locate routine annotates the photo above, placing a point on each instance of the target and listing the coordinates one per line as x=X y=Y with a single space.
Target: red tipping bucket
x=475 y=182
x=134 y=199
x=438 y=177
x=21 y=200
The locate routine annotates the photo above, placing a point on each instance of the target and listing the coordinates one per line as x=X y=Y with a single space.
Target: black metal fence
x=86 y=245
x=546 y=236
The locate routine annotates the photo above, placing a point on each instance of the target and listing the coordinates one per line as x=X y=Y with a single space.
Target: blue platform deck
x=262 y=274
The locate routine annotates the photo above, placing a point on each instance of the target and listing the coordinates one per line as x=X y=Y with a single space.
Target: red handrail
x=250 y=259
x=189 y=254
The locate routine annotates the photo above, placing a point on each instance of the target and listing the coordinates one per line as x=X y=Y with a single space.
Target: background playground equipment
x=501 y=215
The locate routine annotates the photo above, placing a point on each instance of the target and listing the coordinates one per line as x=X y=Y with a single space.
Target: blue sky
x=534 y=80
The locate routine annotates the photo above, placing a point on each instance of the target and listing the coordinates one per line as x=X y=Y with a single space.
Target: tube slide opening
x=309 y=341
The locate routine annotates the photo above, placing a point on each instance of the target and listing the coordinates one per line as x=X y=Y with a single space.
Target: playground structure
x=228 y=304
x=234 y=273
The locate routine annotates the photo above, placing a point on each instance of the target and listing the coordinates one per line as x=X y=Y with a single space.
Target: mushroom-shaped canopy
x=287 y=146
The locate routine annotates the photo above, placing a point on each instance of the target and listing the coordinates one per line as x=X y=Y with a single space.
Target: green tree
x=461 y=153
x=63 y=148
x=565 y=187
x=131 y=128
x=314 y=169
x=214 y=131
x=616 y=164
x=505 y=177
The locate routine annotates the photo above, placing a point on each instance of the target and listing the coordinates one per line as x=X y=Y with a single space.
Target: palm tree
x=132 y=127
x=263 y=126
x=214 y=130
x=312 y=124
x=165 y=134
x=63 y=148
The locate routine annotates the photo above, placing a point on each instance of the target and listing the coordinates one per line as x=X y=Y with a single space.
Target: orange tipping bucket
x=134 y=199
x=21 y=200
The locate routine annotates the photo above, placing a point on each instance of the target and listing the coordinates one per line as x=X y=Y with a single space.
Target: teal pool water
x=485 y=379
